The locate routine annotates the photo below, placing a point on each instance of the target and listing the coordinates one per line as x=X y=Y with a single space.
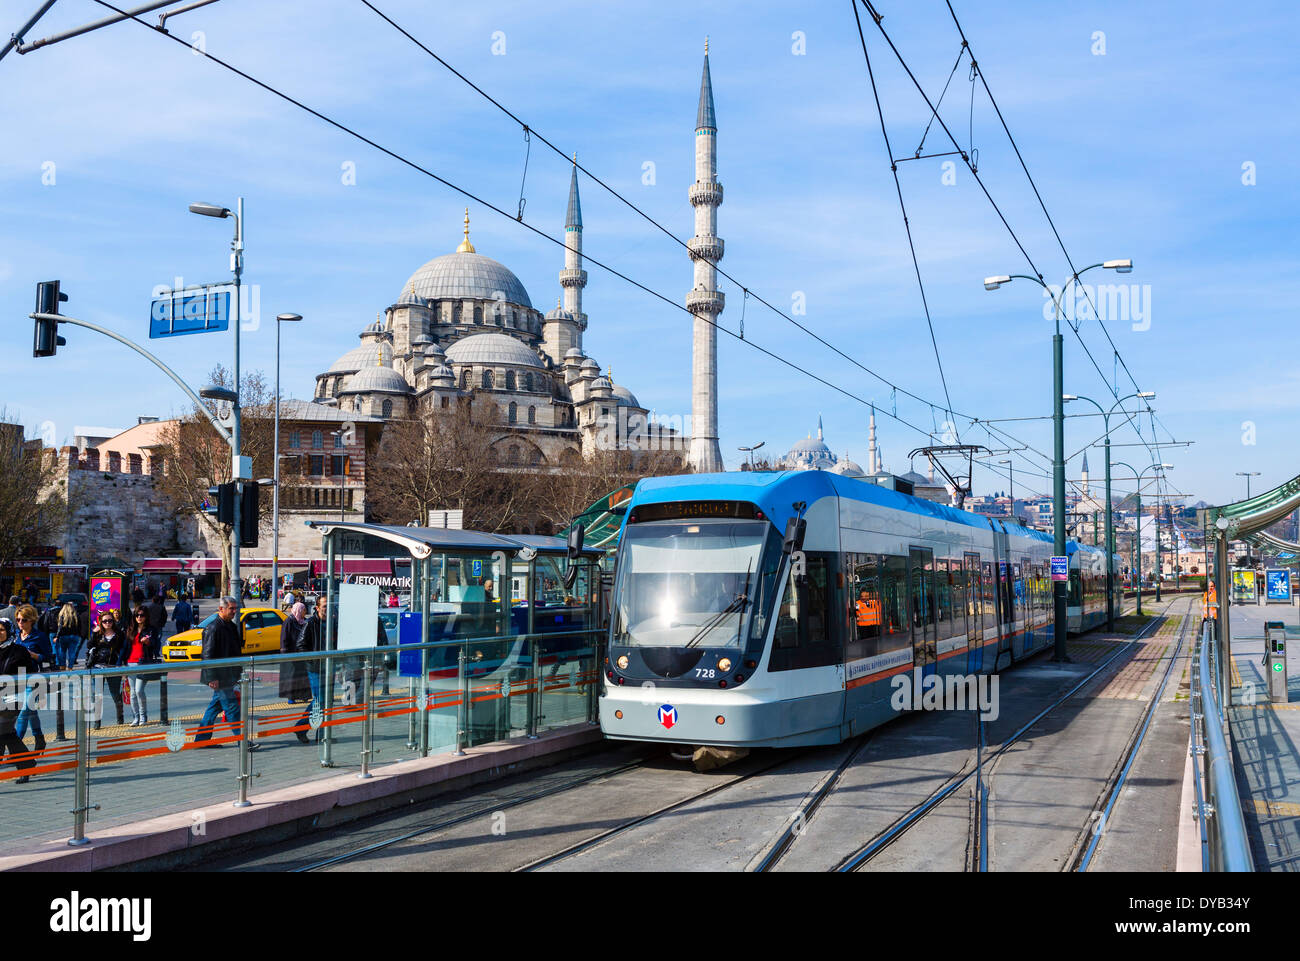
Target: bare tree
x=33 y=506
x=197 y=457
x=569 y=492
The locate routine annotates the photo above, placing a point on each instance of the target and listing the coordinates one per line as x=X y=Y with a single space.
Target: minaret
x=573 y=278
x=1085 y=474
x=563 y=327
x=820 y=435
x=705 y=301
x=873 y=467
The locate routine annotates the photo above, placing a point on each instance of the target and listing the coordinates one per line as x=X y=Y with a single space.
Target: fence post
x=367 y=719
x=245 y=733
x=81 y=787
x=462 y=709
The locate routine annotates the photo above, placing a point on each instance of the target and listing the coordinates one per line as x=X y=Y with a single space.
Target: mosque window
x=295 y=439
x=510 y=380
x=488 y=380
x=532 y=415
x=513 y=415
x=512 y=455
x=534 y=457
x=455 y=313
x=478 y=314
x=338 y=441
x=388 y=408
x=528 y=382
x=464 y=379
x=446 y=402
x=317 y=440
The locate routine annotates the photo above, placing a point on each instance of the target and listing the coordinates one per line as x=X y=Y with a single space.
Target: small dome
x=573 y=353
x=810 y=445
x=376 y=378
x=443 y=373
x=625 y=397
x=359 y=357
x=492 y=349
x=434 y=350
x=848 y=468
x=601 y=383
x=559 y=313
x=590 y=364
x=409 y=297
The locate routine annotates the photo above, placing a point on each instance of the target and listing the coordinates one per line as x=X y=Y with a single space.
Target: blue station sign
x=1060 y=568
x=191 y=310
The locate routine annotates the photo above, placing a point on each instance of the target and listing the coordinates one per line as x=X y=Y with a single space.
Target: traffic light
x=46 y=339
x=248 y=515
x=221 y=503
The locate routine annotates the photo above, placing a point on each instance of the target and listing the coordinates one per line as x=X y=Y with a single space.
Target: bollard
x=81 y=787
x=368 y=718
x=411 y=744
x=246 y=730
x=462 y=709
x=534 y=688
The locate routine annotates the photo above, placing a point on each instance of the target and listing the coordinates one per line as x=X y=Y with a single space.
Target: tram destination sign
x=190 y=310
x=695 y=509
x=1060 y=568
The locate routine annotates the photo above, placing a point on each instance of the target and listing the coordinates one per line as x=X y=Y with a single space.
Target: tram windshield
x=690 y=584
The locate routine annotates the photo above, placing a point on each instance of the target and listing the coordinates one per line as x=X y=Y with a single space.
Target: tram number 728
x=704 y=672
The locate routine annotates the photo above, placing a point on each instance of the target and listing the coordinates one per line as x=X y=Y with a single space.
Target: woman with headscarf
x=293 y=675
x=15 y=661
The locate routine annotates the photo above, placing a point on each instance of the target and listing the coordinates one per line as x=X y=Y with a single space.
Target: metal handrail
x=1228 y=842
x=163 y=667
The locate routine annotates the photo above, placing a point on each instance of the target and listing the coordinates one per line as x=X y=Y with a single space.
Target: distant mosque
x=464 y=325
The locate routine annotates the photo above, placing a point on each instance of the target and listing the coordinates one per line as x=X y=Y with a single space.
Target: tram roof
x=423 y=542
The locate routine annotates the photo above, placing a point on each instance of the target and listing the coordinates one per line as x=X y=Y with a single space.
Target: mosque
x=464 y=323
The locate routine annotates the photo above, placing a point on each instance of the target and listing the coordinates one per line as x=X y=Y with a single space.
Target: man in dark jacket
x=221 y=640
x=157 y=615
x=182 y=614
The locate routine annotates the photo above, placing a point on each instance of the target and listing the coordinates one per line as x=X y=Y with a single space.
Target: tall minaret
x=563 y=326
x=573 y=278
x=1085 y=474
x=705 y=301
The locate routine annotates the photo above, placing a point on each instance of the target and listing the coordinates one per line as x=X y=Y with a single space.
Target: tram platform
x=1266 y=738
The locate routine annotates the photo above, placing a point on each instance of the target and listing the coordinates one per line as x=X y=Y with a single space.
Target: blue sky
x=1138 y=152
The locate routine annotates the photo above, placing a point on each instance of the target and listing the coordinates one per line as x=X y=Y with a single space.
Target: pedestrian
x=182 y=614
x=294 y=685
x=313 y=638
x=221 y=640
x=107 y=649
x=137 y=598
x=15 y=662
x=158 y=615
x=143 y=646
x=67 y=640
x=38 y=643
x=12 y=610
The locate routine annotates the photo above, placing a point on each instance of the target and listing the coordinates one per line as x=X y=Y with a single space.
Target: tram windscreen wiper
x=735 y=606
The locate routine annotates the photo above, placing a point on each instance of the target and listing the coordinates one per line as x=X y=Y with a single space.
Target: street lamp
x=237 y=465
x=275 y=491
x=1248 y=474
x=1110 y=529
x=1058 y=419
x=1138 y=537
x=750 y=451
x=1012 y=481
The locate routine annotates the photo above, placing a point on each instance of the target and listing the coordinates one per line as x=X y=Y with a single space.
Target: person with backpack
x=67 y=637
x=182 y=614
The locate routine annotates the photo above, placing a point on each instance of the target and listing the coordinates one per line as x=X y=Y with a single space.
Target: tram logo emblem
x=668 y=716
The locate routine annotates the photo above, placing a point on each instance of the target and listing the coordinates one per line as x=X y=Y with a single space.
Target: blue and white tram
x=725 y=632
x=1086 y=599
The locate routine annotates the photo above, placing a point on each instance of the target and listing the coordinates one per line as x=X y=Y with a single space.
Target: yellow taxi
x=260 y=627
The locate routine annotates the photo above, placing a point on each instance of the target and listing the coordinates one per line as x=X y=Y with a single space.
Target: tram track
x=484 y=810
x=978 y=832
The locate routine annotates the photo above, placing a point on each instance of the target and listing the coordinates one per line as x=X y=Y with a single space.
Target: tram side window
x=865 y=605
x=988 y=594
x=804 y=635
x=958 y=595
x=943 y=598
x=894 y=632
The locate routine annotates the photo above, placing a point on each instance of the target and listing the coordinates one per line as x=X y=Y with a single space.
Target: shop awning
x=291 y=564
x=164 y=565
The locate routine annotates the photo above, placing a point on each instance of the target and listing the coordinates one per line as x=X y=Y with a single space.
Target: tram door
x=974 y=622
x=920 y=569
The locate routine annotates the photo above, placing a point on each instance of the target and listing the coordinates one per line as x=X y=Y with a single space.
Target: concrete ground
x=1266 y=739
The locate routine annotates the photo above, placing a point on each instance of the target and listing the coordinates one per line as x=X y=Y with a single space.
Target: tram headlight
x=622 y=662
x=724 y=665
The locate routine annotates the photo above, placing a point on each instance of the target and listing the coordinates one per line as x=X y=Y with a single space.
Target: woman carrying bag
x=144 y=644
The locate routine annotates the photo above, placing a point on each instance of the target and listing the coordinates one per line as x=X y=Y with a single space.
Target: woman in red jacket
x=143 y=646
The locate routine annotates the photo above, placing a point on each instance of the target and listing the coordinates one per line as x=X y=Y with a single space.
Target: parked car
x=260 y=627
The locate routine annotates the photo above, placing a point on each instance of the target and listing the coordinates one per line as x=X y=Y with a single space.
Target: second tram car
x=773 y=609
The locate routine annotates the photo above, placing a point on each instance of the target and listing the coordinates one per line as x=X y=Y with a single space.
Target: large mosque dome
x=492 y=349
x=467 y=276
